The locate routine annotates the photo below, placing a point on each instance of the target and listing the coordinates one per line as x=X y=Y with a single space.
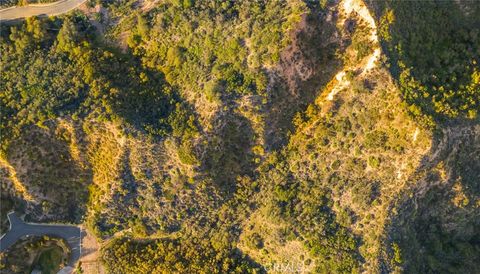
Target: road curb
x=72 y=234
x=49 y=9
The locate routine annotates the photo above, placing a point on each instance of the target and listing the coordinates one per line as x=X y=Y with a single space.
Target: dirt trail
x=340 y=81
x=346 y=8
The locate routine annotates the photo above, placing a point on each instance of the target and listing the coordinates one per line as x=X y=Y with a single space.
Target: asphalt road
x=19 y=229
x=49 y=9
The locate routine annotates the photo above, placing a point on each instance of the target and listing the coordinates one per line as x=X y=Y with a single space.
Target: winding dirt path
x=340 y=81
x=357 y=6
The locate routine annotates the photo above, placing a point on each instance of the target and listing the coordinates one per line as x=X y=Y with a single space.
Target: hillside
x=250 y=136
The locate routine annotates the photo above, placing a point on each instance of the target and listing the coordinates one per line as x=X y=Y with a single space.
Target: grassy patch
x=35 y=253
x=50 y=260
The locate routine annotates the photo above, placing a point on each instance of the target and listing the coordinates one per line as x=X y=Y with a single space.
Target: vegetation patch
x=46 y=254
x=433 y=47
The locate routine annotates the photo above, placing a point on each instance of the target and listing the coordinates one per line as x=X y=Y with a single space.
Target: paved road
x=19 y=229
x=50 y=9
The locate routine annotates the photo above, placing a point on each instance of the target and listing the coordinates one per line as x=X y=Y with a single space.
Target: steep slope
x=434 y=224
x=55 y=184
x=357 y=154
x=249 y=136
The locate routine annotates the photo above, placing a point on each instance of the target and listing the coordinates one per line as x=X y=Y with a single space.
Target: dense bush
x=48 y=74
x=434 y=51
x=173 y=256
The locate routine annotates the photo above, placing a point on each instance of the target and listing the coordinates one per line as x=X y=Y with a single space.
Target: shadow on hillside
x=140 y=96
x=44 y=163
x=228 y=153
x=433 y=50
x=437 y=223
x=436 y=227
x=305 y=67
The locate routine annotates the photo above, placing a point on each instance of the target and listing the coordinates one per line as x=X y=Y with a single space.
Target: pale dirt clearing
x=357 y=6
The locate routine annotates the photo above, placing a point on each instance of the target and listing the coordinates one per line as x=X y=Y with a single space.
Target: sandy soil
x=357 y=6
x=90 y=258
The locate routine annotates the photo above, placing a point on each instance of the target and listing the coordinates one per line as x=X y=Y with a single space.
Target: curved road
x=18 y=229
x=50 y=9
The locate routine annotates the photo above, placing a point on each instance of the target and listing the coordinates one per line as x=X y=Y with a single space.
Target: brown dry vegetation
x=43 y=161
x=290 y=142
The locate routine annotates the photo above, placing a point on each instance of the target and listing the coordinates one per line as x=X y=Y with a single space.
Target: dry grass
x=276 y=251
